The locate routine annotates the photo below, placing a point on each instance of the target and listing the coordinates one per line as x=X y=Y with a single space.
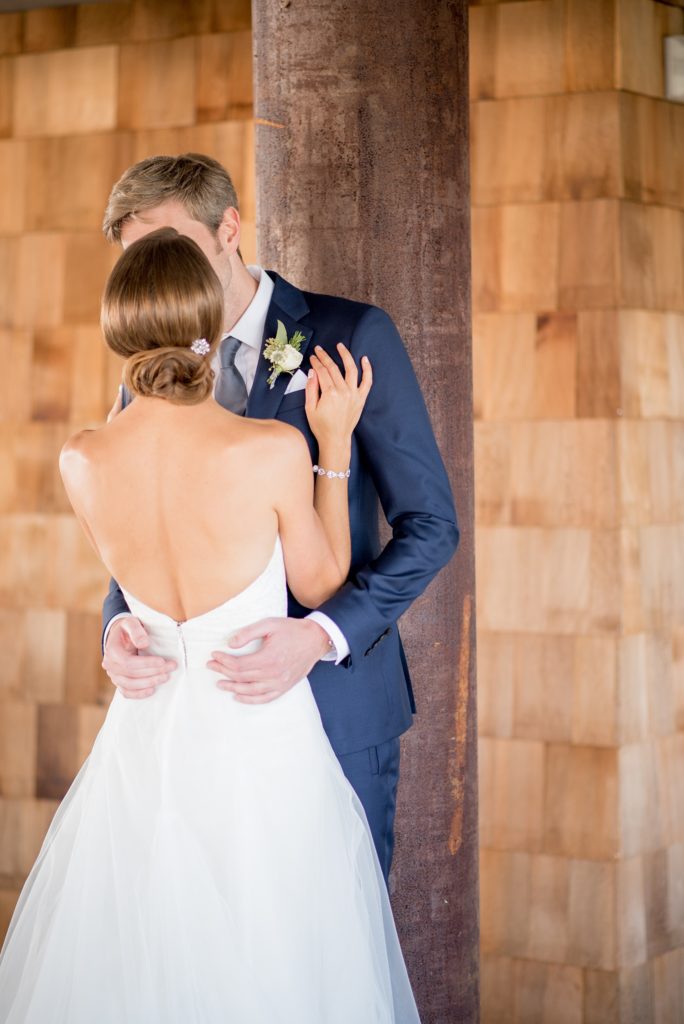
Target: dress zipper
x=181 y=640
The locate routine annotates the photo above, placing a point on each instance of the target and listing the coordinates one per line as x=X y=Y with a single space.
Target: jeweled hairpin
x=201 y=346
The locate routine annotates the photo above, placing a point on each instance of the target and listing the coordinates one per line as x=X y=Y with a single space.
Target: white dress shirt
x=249 y=330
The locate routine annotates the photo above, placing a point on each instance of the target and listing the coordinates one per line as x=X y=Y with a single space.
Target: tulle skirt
x=210 y=863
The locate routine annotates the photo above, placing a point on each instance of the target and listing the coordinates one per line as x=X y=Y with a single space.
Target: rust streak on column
x=458 y=782
x=362 y=190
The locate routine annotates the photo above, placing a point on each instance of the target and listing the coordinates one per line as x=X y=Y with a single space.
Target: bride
x=210 y=862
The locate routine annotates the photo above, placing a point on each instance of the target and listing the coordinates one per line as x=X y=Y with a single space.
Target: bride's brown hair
x=160 y=297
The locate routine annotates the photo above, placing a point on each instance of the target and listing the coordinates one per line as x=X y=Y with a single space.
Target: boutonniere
x=283 y=353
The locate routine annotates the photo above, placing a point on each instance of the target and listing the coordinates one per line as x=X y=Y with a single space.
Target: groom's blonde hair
x=197 y=181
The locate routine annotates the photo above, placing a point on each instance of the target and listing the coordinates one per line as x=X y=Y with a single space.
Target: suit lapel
x=287 y=304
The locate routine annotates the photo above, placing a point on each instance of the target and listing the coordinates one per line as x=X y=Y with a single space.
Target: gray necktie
x=231 y=391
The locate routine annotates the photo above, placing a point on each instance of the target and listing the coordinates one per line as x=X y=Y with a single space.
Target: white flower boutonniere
x=283 y=353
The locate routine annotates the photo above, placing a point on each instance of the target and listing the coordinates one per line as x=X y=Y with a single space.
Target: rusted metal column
x=362 y=190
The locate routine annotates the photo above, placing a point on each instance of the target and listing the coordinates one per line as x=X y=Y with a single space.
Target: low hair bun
x=161 y=296
x=175 y=373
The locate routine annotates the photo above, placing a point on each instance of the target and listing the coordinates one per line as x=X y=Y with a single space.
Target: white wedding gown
x=210 y=863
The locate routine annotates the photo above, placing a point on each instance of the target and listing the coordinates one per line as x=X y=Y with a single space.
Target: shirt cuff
x=120 y=615
x=341 y=647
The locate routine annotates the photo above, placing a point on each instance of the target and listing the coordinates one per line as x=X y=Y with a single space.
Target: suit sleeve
x=398 y=446
x=114 y=604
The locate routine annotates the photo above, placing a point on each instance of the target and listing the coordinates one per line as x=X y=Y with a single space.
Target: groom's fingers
x=255 y=631
x=136 y=694
x=248 y=666
x=246 y=689
x=238 y=674
x=249 y=673
x=266 y=699
x=130 y=682
x=142 y=667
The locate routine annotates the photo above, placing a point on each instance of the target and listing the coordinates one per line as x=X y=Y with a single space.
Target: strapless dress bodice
x=190 y=641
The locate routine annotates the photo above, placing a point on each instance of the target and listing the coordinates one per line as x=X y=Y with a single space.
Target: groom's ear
x=229 y=231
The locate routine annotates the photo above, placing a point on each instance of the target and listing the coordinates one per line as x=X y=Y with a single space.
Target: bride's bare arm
x=315 y=570
x=313 y=511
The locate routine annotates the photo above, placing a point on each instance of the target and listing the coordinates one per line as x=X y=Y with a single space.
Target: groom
x=349 y=647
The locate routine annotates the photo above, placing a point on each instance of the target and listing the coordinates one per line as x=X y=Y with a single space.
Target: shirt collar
x=251 y=326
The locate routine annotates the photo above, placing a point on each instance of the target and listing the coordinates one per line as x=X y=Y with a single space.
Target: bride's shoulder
x=76 y=457
x=277 y=443
x=273 y=432
x=80 y=445
x=87 y=449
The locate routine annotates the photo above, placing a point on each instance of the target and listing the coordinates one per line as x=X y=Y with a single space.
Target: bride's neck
x=153 y=405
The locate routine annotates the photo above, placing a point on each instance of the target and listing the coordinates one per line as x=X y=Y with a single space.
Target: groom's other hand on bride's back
x=134 y=674
x=290 y=649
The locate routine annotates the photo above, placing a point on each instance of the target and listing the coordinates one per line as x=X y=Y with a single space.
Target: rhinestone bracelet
x=331 y=474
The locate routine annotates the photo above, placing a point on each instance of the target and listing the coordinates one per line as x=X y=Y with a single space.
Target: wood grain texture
x=525 y=365
x=641 y=27
x=515 y=257
x=578 y=383
x=529 y=58
x=13 y=175
x=23 y=824
x=542 y=47
x=6 y=96
x=154 y=21
x=540 y=579
x=588 y=263
x=513 y=812
x=10 y=33
x=68 y=179
x=539 y=474
x=231 y=15
x=224 y=76
x=39 y=284
x=157 y=84
x=61 y=92
x=590 y=53
x=53 y=28
x=535 y=148
x=651 y=130
x=99 y=24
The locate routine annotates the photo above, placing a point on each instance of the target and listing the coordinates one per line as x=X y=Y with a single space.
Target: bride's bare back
x=183 y=503
x=182 y=499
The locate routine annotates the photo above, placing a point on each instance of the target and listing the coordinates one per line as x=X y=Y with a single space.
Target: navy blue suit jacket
x=368 y=698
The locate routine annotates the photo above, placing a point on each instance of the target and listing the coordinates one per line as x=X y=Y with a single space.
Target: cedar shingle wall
x=578 y=282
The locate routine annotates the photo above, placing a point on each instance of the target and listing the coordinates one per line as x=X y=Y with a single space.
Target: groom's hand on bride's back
x=134 y=674
x=290 y=649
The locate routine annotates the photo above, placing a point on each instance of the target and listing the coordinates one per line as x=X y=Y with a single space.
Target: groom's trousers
x=374 y=774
